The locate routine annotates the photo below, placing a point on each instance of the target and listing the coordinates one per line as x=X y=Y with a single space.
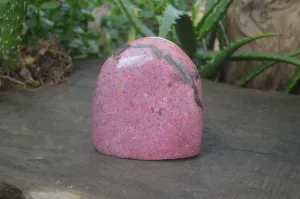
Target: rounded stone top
x=148 y=103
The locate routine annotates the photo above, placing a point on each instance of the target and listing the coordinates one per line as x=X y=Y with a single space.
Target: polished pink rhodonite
x=148 y=103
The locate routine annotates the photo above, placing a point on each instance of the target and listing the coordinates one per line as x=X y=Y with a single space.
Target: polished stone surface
x=148 y=103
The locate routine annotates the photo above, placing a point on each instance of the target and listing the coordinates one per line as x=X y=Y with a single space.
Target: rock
x=148 y=103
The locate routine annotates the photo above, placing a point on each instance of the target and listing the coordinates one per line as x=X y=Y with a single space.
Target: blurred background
x=41 y=39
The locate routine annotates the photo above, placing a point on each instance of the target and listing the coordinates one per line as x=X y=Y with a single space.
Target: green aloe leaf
x=210 y=37
x=271 y=57
x=257 y=71
x=186 y=35
x=171 y=14
x=222 y=38
x=211 y=68
x=196 y=9
x=222 y=35
x=135 y=22
x=210 y=19
x=208 y=11
x=242 y=56
x=161 y=6
x=294 y=80
x=180 y=4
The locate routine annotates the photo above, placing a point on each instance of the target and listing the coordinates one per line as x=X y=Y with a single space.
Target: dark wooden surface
x=251 y=146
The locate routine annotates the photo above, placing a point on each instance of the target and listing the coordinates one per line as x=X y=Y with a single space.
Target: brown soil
x=45 y=63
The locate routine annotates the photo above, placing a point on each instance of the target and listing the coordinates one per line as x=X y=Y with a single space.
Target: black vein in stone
x=120 y=50
x=178 y=66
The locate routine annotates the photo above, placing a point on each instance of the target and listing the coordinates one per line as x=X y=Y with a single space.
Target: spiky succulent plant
x=196 y=38
x=12 y=16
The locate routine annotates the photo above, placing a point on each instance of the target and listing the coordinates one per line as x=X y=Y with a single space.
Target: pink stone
x=147 y=103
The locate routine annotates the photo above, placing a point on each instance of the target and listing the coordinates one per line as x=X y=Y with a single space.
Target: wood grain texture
x=252 y=17
x=251 y=146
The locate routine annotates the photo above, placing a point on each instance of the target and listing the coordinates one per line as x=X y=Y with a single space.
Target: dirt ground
x=251 y=146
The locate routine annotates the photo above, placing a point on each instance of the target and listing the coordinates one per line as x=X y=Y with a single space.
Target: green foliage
x=293 y=82
x=161 y=6
x=68 y=21
x=114 y=31
x=176 y=20
x=242 y=56
x=222 y=35
x=195 y=10
x=212 y=17
x=186 y=34
x=138 y=25
x=171 y=14
x=197 y=38
x=210 y=69
x=261 y=69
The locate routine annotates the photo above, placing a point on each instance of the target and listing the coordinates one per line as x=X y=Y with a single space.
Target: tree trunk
x=252 y=17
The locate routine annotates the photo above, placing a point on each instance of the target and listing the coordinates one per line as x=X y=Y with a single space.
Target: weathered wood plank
x=251 y=146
